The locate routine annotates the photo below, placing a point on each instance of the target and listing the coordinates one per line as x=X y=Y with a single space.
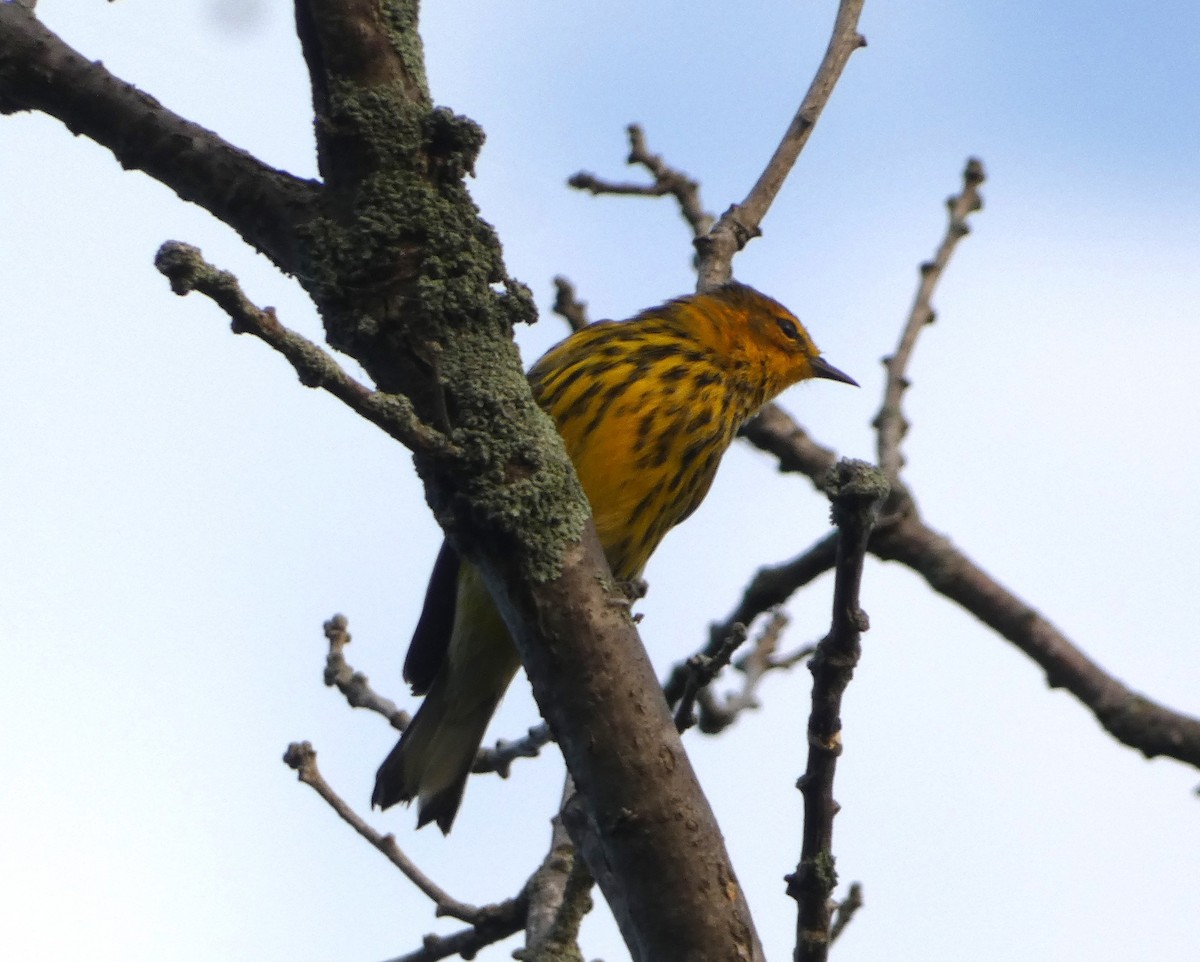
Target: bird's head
x=755 y=330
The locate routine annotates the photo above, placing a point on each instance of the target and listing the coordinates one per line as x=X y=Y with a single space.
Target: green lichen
x=518 y=478
x=410 y=281
x=402 y=18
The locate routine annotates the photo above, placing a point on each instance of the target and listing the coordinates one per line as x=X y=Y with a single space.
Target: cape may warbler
x=646 y=408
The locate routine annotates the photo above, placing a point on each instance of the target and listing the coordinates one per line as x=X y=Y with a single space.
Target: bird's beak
x=822 y=368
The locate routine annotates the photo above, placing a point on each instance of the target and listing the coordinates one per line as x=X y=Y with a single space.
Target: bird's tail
x=434 y=756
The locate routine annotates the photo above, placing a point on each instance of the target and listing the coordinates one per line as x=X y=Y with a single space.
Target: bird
x=646 y=408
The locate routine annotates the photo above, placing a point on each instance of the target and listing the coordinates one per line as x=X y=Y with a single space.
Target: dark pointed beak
x=822 y=368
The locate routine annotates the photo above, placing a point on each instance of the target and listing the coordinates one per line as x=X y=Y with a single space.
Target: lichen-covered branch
x=39 y=72
x=558 y=896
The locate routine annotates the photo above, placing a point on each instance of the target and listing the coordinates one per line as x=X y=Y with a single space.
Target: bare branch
x=568 y=306
x=559 y=896
x=717 y=715
x=700 y=670
x=846 y=910
x=188 y=271
x=301 y=757
x=499 y=759
x=774 y=431
x=769 y=588
x=38 y=71
x=890 y=422
x=354 y=684
x=858 y=491
x=742 y=221
x=359 y=693
x=1130 y=717
x=505 y=920
x=772 y=586
x=667 y=180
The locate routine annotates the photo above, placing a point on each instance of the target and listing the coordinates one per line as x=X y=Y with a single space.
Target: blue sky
x=181 y=516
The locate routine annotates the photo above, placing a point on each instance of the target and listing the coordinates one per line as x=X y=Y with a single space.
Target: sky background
x=179 y=516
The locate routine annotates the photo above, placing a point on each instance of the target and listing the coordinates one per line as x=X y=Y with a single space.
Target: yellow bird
x=646 y=408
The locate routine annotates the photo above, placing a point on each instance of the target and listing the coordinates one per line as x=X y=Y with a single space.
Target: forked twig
x=667 y=180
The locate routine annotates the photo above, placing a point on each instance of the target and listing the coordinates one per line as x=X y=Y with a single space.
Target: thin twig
x=890 y=422
x=568 y=306
x=742 y=221
x=559 y=896
x=771 y=586
x=354 y=684
x=547 y=886
x=359 y=694
x=499 y=758
x=1129 y=716
x=502 y=921
x=846 y=910
x=717 y=715
x=187 y=270
x=858 y=490
x=301 y=757
x=700 y=670
x=667 y=180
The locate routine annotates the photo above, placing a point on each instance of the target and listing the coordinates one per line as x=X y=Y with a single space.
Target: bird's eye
x=788 y=326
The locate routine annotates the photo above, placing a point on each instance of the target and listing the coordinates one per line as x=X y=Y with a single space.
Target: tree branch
x=38 y=71
x=772 y=586
x=466 y=942
x=858 y=490
x=846 y=911
x=1130 y=717
x=568 y=306
x=301 y=757
x=187 y=270
x=742 y=221
x=700 y=670
x=890 y=422
x=717 y=715
x=559 y=896
x=354 y=684
x=667 y=180
x=775 y=432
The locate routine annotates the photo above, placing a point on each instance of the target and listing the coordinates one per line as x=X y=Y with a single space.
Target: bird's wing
x=431 y=639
